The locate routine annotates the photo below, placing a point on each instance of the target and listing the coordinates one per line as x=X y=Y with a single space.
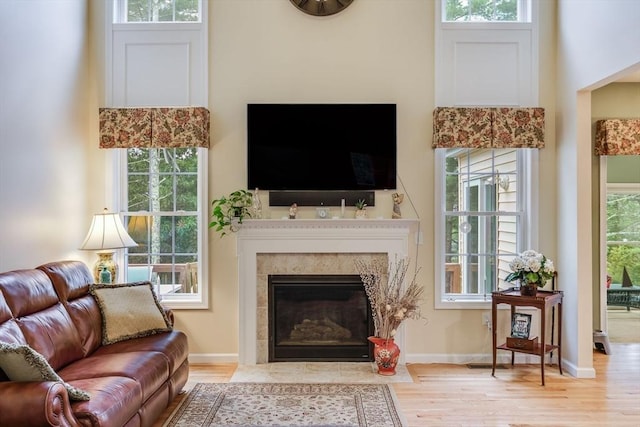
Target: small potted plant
x=229 y=211
x=361 y=209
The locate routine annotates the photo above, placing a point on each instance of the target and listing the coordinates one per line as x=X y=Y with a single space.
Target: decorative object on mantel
x=397 y=199
x=293 y=211
x=256 y=205
x=532 y=270
x=361 y=209
x=392 y=301
x=229 y=211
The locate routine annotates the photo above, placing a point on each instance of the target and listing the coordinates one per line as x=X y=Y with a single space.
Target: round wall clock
x=321 y=7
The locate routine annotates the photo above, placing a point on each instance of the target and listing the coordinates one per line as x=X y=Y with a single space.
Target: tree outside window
x=160 y=10
x=485 y=10
x=162 y=191
x=623 y=236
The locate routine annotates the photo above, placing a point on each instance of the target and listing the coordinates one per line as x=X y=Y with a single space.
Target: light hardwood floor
x=455 y=395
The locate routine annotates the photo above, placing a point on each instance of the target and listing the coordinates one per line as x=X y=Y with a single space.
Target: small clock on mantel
x=321 y=7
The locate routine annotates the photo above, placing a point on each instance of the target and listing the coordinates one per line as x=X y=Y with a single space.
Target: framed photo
x=520 y=325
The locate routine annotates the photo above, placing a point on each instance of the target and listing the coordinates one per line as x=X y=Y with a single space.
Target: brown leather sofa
x=131 y=382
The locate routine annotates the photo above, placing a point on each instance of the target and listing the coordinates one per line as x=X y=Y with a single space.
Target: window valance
x=617 y=137
x=154 y=127
x=470 y=127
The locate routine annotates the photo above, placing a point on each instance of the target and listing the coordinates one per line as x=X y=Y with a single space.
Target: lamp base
x=105 y=259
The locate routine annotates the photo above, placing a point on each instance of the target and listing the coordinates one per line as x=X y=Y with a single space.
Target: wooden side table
x=543 y=300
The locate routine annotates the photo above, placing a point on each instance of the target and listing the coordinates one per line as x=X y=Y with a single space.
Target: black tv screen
x=321 y=146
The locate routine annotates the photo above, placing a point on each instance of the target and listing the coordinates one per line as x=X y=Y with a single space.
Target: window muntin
x=486 y=11
x=623 y=234
x=482 y=219
x=157 y=11
x=164 y=216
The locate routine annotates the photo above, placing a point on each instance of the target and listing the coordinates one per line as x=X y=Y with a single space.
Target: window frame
x=527 y=227
x=200 y=299
x=119 y=15
x=525 y=17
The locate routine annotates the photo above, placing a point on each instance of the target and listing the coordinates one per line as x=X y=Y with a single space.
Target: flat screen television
x=321 y=147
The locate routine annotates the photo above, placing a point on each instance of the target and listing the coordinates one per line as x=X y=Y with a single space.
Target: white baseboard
x=457 y=359
x=577 y=372
x=212 y=358
x=462 y=359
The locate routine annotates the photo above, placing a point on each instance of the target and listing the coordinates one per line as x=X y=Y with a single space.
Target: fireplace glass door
x=318 y=318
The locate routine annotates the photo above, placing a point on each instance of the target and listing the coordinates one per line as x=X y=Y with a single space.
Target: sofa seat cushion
x=173 y=345
x=115 y=400
x=22 y=363
x=129 y=310
x=149 y=369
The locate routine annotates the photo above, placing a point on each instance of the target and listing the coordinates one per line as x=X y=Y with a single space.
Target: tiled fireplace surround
x=304 y=247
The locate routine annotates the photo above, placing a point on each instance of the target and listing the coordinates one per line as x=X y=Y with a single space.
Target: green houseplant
x=532 y=270
x=229 y=211
x=361 y=209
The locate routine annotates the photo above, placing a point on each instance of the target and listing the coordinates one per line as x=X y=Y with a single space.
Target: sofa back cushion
x=9 y=330
x=40 y=316
x=71 y=281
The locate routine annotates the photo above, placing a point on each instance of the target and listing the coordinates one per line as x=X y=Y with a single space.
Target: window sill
x=184 y=304
x=461 y=303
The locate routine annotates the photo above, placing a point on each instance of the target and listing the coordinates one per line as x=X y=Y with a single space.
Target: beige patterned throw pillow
x=129 y=310
x=22 y=363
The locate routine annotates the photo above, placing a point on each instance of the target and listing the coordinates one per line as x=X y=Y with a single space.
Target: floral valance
x=154 y=127
x=617 y=137
x=467 y=127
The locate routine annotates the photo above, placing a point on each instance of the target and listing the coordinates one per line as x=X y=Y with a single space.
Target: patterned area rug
x=261 y=404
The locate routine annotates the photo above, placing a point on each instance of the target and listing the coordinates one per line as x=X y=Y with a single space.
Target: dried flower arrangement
x=391 y=301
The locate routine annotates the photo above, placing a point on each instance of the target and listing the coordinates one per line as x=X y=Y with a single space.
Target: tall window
x=162 y=191
x=482 y=220
x=486 y=11
x=157 y=11
x=623 y=233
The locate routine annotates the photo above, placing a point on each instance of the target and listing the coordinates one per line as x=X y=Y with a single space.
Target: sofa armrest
x=35 y=404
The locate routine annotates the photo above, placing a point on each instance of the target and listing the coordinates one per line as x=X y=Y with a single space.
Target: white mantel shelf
x=258 y=236
x=250 y=228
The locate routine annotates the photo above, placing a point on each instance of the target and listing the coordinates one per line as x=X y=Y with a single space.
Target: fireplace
x=304 y=246
x=318 y=318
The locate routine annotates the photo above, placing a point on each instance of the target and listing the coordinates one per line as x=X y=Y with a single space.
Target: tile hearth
x=318 y=372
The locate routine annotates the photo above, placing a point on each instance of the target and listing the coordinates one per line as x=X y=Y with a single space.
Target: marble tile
x=317 y=372
x=297 y=263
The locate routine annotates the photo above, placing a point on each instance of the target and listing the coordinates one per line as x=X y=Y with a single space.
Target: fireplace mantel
x=307 y=236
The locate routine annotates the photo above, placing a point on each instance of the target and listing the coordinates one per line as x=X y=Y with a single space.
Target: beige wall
x=267 y=51
x=615 y=100
x=374 y=51
x=597 y=41
x=45 y=115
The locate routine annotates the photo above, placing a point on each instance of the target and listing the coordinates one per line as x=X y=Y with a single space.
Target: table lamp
x=105 y=235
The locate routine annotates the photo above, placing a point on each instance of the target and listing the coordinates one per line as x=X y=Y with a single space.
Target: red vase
x=386 y=354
